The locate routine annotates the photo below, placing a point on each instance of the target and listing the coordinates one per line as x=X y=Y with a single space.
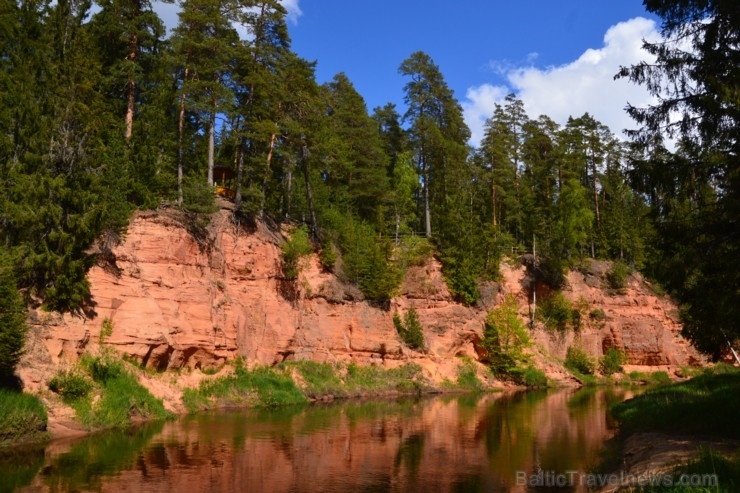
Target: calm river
x=445 y=443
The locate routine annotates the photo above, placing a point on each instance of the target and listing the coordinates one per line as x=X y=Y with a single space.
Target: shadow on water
x=445 y=443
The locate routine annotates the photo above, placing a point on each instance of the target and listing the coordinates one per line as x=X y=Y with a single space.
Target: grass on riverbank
x=105 y=393
x=260 y=387
x=708 y=404
x=276 y=386
x=22 y=417
x=710 y=472
x=340 y=380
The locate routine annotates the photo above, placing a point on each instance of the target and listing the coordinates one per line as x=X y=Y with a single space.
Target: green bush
x=22 y=417
x=106 y=330
x=327 y=255
x=366 y=257
x=414 y=251
x=119 y=397
x=70 y=384
x=297 y=247
x=122 y=400
x=410 y=330
x=467 y=376
x=578 y=361
x=617 y=276
x=557 y=313
x=505 y=338
x=597 y=315
x=197 y=196
x=103 y=369
x=612 y=361
x=530 y=377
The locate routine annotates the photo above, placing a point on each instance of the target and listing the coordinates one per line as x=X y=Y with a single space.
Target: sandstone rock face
x=173 y=301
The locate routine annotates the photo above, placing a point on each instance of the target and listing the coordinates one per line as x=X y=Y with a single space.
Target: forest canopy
x=102 y=114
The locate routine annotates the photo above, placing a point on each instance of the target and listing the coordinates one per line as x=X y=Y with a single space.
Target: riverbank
x=685 y=432
x=104 y=391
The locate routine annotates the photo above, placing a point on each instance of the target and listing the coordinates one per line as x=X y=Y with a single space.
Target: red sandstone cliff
x=176 y=299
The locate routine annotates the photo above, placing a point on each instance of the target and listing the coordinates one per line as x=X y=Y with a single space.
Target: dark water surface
x=446 y=443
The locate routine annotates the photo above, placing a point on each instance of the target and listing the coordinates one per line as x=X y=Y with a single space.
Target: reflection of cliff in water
x=461 y=443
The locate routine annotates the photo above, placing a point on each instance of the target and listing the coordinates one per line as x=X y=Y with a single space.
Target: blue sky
x=558 y=57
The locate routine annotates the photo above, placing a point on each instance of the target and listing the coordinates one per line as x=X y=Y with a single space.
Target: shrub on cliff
x=557 y=313
x=297 y=247
x=505 y=338
x=612 y=361
x=409 y=329
x=617 y=276
x=577 y=360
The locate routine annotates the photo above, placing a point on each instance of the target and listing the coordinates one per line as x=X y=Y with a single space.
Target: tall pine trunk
x=131 y=89
x=239 y=174
x=180 y=138
x=309 y=192
x=211 y=142
x=266 y=176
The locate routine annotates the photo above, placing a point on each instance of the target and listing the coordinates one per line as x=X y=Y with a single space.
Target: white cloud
x=169 y=11
x=584 y=85
x=294 y=10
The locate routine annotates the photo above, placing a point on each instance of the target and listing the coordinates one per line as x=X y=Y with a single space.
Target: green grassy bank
x=299 y=382
x=706 y=407
x=22 y=417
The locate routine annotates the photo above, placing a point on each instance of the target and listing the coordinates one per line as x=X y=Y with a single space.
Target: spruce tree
x=695 y=77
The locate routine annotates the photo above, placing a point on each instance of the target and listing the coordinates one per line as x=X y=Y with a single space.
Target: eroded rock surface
x=176 y=296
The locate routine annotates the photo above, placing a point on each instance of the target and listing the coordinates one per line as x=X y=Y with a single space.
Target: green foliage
x=530 y=377
x=612 y=362
x=682 y=407
x=578 y=361
x=293 y=250
x=260 y=387
x=324 y=379
x=104 y=368
x=22 y=417
x=106 y=330
x=320 y=378
x=505 y=338
x=467 y=376
x=414 y=251
x=119 y=397
x=197 y=196
x=366 y=258
x=557 y=313
x=617 y=276
x=410 y=330
x=407 y=378
x=328 y=255
x=12 y=323
x=654 y=378
x=597 y=314
x=122 y=400
x=70 y=384
x=694 y=191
